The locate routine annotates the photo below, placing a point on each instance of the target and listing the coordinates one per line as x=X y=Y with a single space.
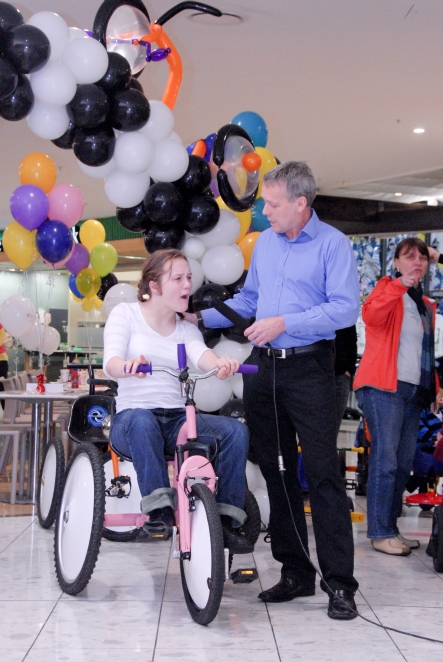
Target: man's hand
x=265 y=330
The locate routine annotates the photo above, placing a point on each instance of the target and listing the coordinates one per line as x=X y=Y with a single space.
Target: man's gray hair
x=296 y=176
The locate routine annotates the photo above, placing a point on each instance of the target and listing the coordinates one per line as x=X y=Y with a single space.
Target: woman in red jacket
x=395 y=380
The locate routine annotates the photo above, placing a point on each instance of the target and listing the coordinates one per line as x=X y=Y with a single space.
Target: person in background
x=3 y=361
x=395 y=380
x=345 y=366
x=151 y=411
x=302 y=286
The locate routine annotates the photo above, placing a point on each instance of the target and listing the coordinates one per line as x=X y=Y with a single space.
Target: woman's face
x=412 y=263
x=176 y=284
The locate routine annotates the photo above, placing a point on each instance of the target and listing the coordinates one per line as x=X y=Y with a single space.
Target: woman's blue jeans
x=393 y=421
x=147 y=435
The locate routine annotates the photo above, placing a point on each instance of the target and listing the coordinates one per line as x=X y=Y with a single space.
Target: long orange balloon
x=174 y=61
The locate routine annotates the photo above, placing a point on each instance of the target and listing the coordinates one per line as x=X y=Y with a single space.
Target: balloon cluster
x=20 y=319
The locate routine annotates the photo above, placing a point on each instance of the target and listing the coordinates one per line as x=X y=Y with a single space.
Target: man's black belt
x=292 y=351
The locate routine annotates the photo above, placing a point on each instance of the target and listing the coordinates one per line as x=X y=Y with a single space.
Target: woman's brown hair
x=154 y=269
x=408 y=244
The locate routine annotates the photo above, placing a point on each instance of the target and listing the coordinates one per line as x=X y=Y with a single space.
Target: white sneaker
x=412 y=544
x=392 y=546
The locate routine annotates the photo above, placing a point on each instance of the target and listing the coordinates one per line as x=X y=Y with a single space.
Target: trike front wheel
x=50 y=482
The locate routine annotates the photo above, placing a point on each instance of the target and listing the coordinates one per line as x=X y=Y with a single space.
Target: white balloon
x=197 y=274
x=174 y=136
x=55 y=28
x=263 y=503
x=50 y=339
x=193 y=248
x=225 y=232
x=32 y=339
x=233 y=349
x=87 y=59
x=252 y=472
x=47 y=121
x=211 y=394
x=160 y=122
x=125 y=189
x=54 y=84
x=120 y=293
x=134 y=151
x=223 y=264
x=97 y=172
x=77 y=33
x=170 y=162
x=17 y=315
x=237 y=385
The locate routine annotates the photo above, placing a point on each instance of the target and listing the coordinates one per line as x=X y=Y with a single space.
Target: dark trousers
x=305 y=400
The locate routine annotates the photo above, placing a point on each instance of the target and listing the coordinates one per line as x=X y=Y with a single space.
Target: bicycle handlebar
x=149 y=368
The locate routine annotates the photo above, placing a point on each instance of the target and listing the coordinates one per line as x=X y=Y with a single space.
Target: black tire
x=252 y=526
x=79 y=524
x=437 y=538
x=350 y=503
x=50 y=482
x=425 y=508
x=203 y=575
x=112 y=534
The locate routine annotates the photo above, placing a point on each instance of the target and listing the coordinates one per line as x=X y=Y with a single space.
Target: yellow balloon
x=88 y=282
x=88 y=304
x=246 y=246
x=19 y=245
x=98 y=303
x=74 y=297
x=268 y=161
x=92 y=233
x=244 y=217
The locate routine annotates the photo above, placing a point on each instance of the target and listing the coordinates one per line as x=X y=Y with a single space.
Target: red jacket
x=383 y=316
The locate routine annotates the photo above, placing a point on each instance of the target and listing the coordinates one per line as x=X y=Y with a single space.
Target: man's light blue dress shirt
x=311 y=280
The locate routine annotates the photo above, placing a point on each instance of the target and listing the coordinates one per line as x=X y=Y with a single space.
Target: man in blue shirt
x=302 y=286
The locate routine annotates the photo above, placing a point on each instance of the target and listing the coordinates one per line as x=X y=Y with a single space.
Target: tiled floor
x=133 y=608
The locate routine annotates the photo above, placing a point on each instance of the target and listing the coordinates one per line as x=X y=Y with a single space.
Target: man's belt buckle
x=278 y=353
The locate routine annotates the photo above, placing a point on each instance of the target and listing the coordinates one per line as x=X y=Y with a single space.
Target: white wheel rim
x=198 y=569
x=76 y=515
x=114 y=506
x=47 y=480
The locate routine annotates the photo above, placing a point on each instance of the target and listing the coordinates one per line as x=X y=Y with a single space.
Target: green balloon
x=103 y=258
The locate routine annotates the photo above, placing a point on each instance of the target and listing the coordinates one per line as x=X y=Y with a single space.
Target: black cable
x=305 y=552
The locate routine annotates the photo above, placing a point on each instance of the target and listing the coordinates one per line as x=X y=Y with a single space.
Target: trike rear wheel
x=80 y=517
x=50 y=482
x=203 y=575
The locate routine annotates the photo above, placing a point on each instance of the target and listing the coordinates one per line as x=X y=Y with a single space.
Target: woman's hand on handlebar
x=131 y=365
x=226 y=367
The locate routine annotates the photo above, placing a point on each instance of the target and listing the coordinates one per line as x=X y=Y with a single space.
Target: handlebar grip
x=181 y=356
x=143 y=367
x=247 y=369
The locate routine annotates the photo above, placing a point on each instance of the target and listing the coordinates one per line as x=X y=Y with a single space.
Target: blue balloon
x=254 y=125
x=259 y=220
x=54 y=241
x=73 y=287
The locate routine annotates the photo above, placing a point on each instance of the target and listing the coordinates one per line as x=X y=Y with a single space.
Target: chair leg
x=16 y=441
x=21 y=485
x=5 y=453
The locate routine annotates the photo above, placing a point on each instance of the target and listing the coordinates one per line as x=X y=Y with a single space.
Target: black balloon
x=163 y=203
x=118 y=74
x=211 y=337
x=108 y=281
x=197 y=177
x=89 y=107
x=157 y=238
x=134 y=219
x=8 y=79
x=129 y=110
x=208 y=295
x=201 y=214
x=10 y=17
x=134 y=84
x=19 y=103
x=234 y=408
x=234 y=288
x=67 y=139
x=94 y=147
x=28 y=48
x=236 y=334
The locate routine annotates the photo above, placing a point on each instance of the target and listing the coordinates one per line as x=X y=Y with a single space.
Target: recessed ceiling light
x=11 y=269
x=419 y=130
x=397 y=194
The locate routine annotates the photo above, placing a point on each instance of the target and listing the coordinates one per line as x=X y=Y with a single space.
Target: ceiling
x=341 y=85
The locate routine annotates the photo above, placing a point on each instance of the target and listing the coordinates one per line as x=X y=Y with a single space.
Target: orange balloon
x=251 y=161
x=38 y=169
x=246 y=246
x=244 y=217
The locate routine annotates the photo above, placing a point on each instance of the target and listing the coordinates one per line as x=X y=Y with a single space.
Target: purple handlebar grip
x=181 y=356
x=143 y=367
x=247 y=369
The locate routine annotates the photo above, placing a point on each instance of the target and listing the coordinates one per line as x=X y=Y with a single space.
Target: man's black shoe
x=234 y=539
x=286 y=589
x=342 y=605
x=161 y=522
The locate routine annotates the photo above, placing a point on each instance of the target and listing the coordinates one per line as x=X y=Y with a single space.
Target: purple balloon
x=79 y=259
x=29 y=206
